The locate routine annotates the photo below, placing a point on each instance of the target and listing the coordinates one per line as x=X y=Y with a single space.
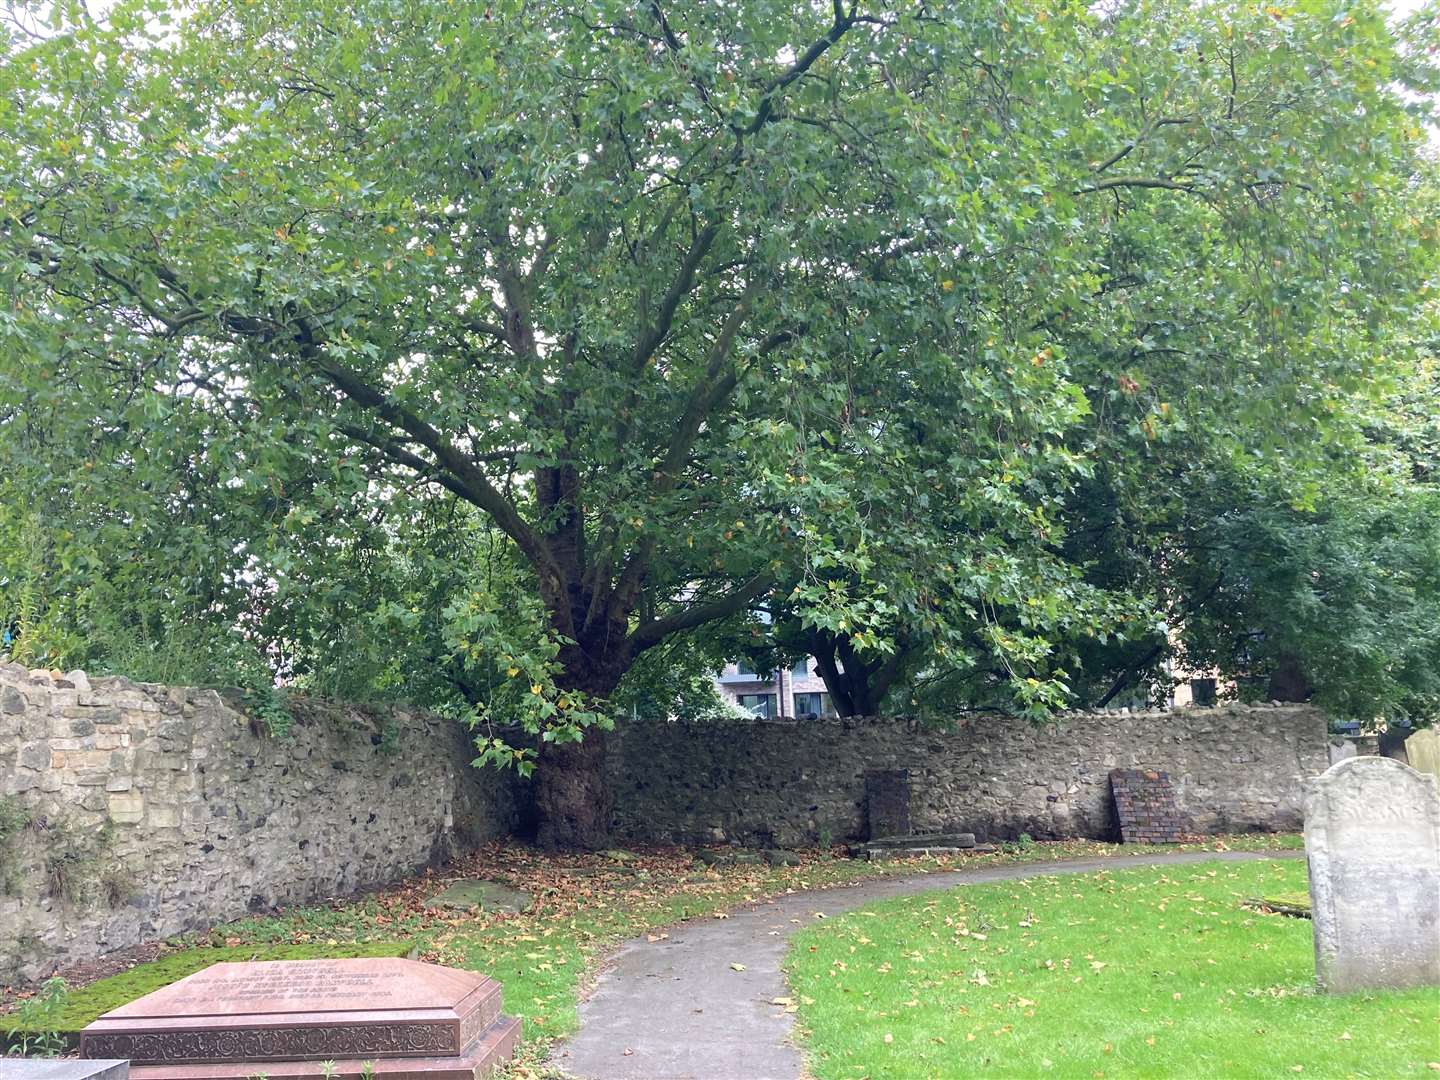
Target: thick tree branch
x=1139 y=182
x=680 y=288
x=473 y=485
x=651 y=633
x=803 y=63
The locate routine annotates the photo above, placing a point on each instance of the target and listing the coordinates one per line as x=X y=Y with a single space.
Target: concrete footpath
x=675 y=1009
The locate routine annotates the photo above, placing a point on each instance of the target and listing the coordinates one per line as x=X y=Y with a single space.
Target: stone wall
x=133 y=812
x=130 y=812
x=1235 y=768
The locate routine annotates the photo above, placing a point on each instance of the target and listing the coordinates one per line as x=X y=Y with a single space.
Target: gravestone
x=62 y=1069
x=1145 y=806
x=1422 y=750
x=292 y=1019
x=1341 y=750
x=887 y=802
x=1372 y=841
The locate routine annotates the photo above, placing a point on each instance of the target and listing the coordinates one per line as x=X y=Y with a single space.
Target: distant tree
x=692 y=303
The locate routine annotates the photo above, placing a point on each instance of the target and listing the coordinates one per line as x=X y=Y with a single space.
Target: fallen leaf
x=889 y=1038
x=737 y=967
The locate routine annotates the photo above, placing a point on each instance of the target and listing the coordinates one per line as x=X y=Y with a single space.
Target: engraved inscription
x=1372 y=842
x=291 y=987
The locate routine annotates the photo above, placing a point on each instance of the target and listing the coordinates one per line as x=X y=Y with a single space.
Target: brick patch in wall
x=1145 y=805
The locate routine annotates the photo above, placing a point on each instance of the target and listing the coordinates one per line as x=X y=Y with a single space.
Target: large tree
x=692 y=302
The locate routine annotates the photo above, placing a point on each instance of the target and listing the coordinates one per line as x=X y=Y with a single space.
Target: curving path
x=675 y=1009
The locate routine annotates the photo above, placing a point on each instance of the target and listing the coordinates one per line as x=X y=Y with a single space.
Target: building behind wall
x=796 y=691
x=799 y=692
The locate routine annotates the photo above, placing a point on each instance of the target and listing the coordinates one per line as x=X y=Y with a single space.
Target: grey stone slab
x=956 y=839
x=469 y=894
x=64 y=1068
x=1372 y=841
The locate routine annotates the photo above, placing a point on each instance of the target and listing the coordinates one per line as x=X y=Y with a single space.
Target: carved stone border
x=298 y=1043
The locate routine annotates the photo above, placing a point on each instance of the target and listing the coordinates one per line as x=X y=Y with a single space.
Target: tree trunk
x=1288 y=681
x=571 y=796
x=856 y=687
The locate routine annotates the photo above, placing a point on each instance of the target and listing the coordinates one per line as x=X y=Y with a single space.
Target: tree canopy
x=693 y=308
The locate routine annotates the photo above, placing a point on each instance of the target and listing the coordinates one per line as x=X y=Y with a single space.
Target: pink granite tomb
x=291 y=1019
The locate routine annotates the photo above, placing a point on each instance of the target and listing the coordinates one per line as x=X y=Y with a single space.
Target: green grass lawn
x=1158 y=972
x=584 y=905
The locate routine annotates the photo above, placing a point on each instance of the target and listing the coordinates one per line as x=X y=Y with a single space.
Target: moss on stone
x=1291 y=903
x=88 y=1003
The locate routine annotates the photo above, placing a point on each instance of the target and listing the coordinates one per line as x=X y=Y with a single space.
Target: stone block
x=126 y=807
x=1372 y=841
x=119 y=783
x=96 y=714
x=11 y=701
x=34 y=755
x=163 y=816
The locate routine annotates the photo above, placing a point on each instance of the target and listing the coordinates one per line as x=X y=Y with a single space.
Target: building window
x=1202 y=691
x=761 y=705
x=746 y=669
x=813 y=706
x=801 y=670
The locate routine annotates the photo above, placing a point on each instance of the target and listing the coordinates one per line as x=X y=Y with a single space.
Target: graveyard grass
x=584 y=905
x=1153 y=972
